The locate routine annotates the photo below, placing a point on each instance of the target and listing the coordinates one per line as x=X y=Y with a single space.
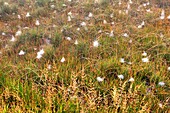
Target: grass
x=29 y=84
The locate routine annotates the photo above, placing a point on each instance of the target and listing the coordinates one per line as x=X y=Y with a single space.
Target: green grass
x=47 y=85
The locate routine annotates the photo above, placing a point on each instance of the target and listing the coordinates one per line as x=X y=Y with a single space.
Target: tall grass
x=28 y=84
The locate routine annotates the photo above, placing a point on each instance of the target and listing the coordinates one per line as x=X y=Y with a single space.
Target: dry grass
x=28 y=84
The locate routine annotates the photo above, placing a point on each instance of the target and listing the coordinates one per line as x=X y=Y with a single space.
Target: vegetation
x=84 y=56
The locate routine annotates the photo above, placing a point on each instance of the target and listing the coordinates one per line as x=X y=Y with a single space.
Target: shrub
x=6 y=9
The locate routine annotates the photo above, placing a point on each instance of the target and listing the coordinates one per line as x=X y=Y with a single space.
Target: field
x=71 y=56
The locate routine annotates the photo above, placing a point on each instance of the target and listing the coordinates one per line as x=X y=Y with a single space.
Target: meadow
x=71 y=56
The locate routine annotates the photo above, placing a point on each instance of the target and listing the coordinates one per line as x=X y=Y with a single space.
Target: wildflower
x=162 y=17
x=19 y=16
x=144 y=54
x=37 y=23
x=3 y=34
x=38 y=56
x=21 y=53
x=130 y=63
x=100 y=31
x=128 y=6
x=12 y=39
x=90 y=15
x=149 y=10
x=160 y=105
x=69 y=13
x=104 y=22
x=28 y=14
x=6 y=3
x=49 y=67
x=168 y=17
x=64 y=5
x=168 y=68
x=144 y=4
x=131 y=79
x=26 y=28
x=161 y=83
x=54 y=13
x=106 y=33
x=40 y=53
x=63 y=60
x=126 y=11
x=130 y=1
x=162 y=14
x=139 y=26
x=120 y=2
x=143 y=23
x=68 y=89
x=145 y=59
x=125 y=35
x=99 y=79
x=111 y=34
x=69 y=0
x=76 y=42
x=68 y=38
x=112 y=23
x=87 y=18
x=161 y=35
x=68 y=18
x=18 y=33
x=96 y=1
x=95 y=43
x=138 y=9
x=78 y=29
x=122 y=60
x=111 y=15
x=52 y=6
x=83 y=24
x=54 y=25
x=130 y=41
x=120 y=76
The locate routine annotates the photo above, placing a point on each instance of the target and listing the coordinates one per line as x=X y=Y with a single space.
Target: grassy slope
x=27 y=85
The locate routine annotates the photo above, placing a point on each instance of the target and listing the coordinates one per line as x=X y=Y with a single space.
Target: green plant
x=82 y=50
x=29 y=38
x=6 y=9
x=40 y=11
x=56 y=40
x=41 y=3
